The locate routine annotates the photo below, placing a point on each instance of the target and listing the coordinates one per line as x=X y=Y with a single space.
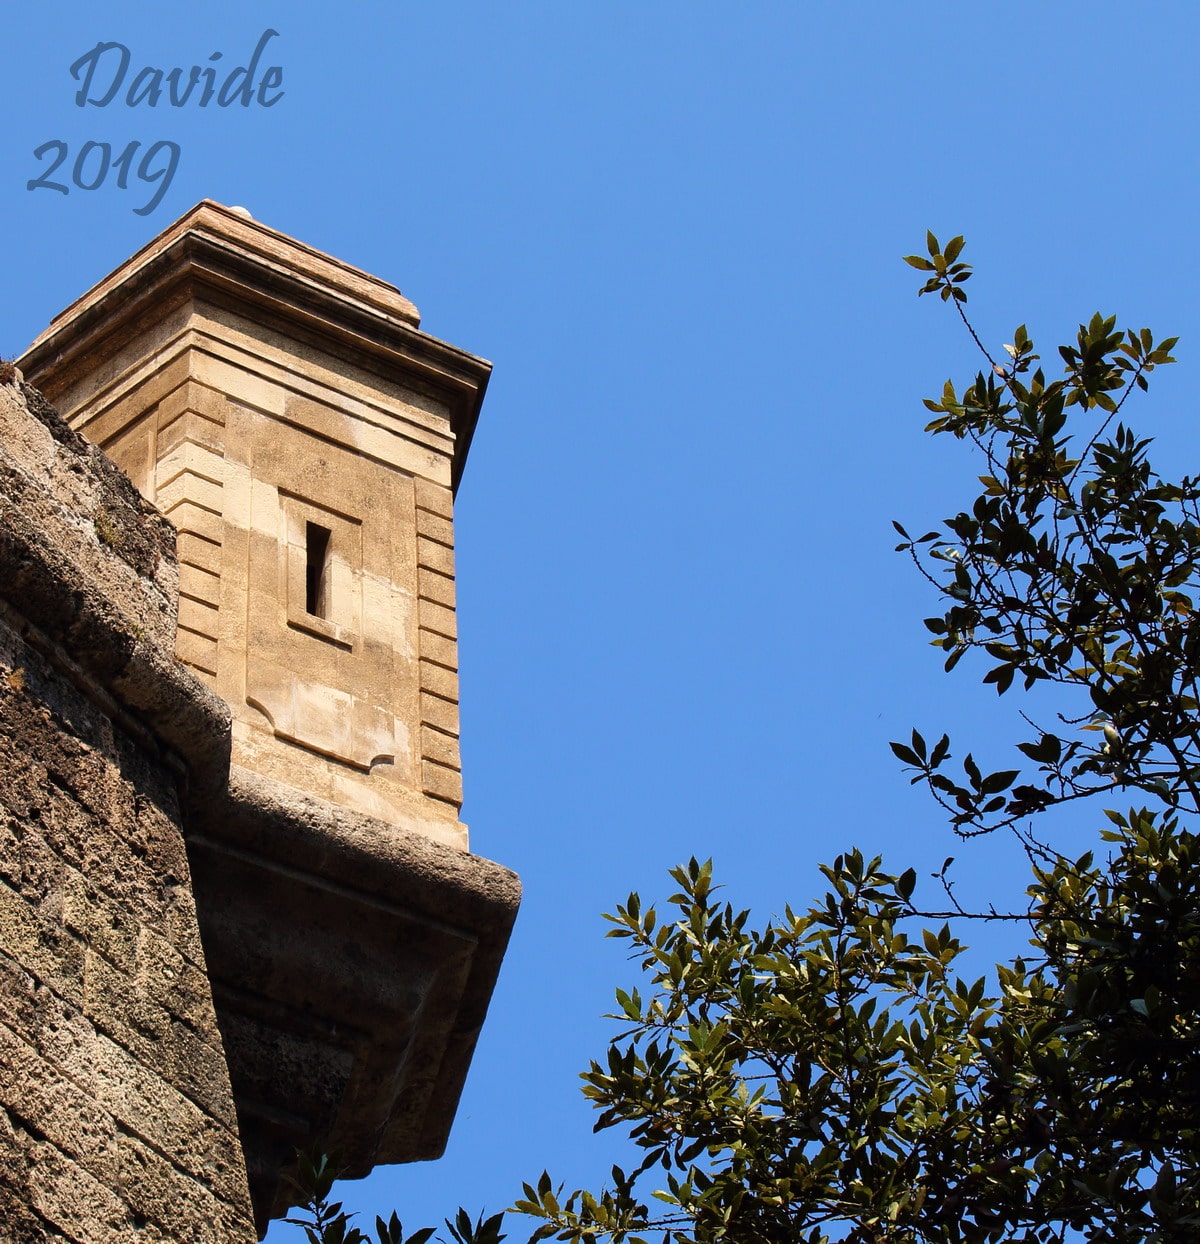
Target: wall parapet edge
x=117 y=1118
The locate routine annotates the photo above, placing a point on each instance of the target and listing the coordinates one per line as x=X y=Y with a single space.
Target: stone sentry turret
x=285 y=412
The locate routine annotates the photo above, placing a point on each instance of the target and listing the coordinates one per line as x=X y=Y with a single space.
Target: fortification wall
x=117 y=1122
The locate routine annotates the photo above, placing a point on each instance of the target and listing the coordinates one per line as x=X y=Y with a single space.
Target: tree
x=326 y=1222
x=828 y=1077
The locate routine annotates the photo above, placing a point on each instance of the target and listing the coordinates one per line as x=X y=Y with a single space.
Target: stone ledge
x=373 y=956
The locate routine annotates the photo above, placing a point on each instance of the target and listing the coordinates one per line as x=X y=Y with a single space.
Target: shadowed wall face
x=117 y=1120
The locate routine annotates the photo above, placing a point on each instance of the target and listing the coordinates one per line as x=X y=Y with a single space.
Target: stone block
x=434 y=556
x=62 y=1193
x=438 y=588
x=442 y=782
x=440 y=747
x=195 y=550
x=196 y=615
x=191 y=487
x=198 y=651
x=188 y=516
x=431 y=526
x=104 y=926
x=44 y=946
x=439 y=619
x=63 y=1113
x=440 y=713
x=199 y=585
x=434 y=497
x=439 y=649
x=439 y=681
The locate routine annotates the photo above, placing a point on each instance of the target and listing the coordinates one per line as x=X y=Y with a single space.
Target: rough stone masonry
x=117 y=1121
x=238 y=915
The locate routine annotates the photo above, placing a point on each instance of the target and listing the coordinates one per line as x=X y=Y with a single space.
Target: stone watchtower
x=285 y=412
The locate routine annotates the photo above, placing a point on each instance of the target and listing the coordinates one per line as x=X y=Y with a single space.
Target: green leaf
x=998 y=781
x=905 y=755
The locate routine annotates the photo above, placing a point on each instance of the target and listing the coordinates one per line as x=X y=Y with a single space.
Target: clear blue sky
x=675 y=228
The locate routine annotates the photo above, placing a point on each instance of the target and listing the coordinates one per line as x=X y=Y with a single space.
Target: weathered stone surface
x=102 y=1141
x=236 y=902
